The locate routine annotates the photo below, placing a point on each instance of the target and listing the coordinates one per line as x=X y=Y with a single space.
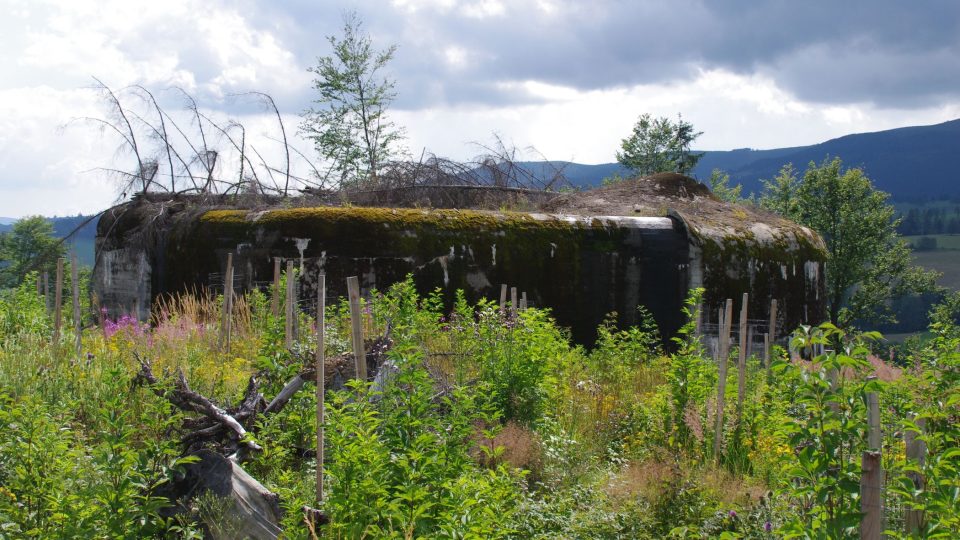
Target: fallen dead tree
x=227 y=430
x=222 y=437
x=246 y=508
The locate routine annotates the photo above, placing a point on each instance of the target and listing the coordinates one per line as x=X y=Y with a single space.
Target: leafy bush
x=488 y=426
x=402 y=466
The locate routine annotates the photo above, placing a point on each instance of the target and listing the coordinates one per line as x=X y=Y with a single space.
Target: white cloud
x=733 y=111
x=557 y=74
x=456 y=57
x=412 y=6
x=483 y=9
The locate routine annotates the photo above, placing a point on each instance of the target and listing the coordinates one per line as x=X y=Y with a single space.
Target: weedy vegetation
x=490 y=426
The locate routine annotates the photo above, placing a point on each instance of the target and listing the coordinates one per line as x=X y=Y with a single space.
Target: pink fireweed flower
x=128 y=324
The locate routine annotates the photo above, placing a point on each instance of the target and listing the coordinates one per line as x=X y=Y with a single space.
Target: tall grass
x=494 y=426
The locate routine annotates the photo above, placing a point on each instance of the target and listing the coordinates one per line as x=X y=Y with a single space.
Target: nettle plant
x=931 y=485
x=827 y=431
x=402 y=460
x=691 y=379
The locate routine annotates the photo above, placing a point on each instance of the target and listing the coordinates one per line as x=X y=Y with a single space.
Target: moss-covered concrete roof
x=706 y=217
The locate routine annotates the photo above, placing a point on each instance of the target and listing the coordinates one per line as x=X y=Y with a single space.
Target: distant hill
x=82 y=241
x=911 y=163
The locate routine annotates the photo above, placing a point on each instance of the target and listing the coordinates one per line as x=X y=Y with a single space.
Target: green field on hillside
x=945 y=258
x=944 y=261
x=943 y=241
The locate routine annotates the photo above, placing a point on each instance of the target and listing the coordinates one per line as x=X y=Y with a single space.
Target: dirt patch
x=670 y=193
x=646 y=196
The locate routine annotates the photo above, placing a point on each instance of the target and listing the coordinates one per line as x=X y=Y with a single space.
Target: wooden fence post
x=720 y=323
x=742 y=357
x=523 y=301
x=871 y=499
x=275 y=301
x=766 y=351
x=871 y=479
x=503 y=299
x=772 y=329
x=46 y=291
x=58 y=303
x=723 y=352
x=874 y=435
x=75 y=293
x=289 y=311
x=356 y=322
x=513 y=302
x=916 y=453
x=226 y=322
x=321 y=379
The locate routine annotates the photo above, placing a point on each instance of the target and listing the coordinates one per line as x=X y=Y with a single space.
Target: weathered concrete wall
x=782 y=263
x=581 y=267
x=123 y=281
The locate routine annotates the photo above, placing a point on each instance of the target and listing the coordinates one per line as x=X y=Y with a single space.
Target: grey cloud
x=888 y=52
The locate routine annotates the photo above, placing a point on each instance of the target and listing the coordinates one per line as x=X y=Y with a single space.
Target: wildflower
x=732 y=514
x=768 y=526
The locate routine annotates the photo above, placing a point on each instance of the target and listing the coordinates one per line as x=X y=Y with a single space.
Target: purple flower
x=768 y=526
x=126 y=323
x=732 y=514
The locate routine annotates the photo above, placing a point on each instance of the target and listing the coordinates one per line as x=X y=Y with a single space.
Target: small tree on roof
x=659 y=145
x=349 y=126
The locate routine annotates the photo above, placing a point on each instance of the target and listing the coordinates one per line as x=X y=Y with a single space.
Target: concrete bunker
x=583 y=255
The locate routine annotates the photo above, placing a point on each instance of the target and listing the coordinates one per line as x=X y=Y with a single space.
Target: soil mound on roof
x=663 y=193
x=645 y=196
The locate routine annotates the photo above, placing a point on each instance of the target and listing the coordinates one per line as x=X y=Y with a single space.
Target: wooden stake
x=58 y=303
x=75 y=290
x=275 y=301
x=772 y=329
x=742 y=357
x=321 y=382
x=513 y=302
x=766 y=351
x=523 y=301
x=871 y=479
x=723 y=353
x=716 y=351
x=226 y=322
x=289 y=312
x=503 y=298
x=916 y=453
x=871 y=496
x=874 y=436
x=46 y=291
x=356 y=322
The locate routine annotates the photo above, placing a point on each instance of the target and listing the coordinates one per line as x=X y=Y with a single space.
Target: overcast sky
x=568 y=77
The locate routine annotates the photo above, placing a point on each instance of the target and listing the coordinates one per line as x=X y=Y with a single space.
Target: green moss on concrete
x=727 y=264
x=414 y=233
x=400 y=217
